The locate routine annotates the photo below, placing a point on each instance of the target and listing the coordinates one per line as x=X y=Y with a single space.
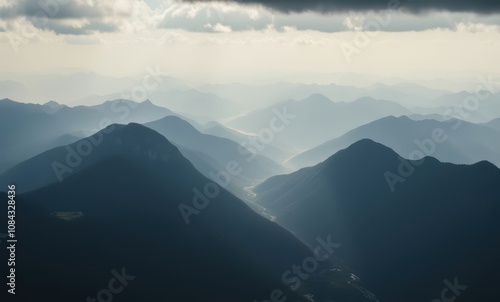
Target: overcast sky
x=247 y=40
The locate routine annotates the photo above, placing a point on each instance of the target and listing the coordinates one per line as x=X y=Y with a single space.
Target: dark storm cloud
x=51 y=9
x=51 y=15
x=415 y=6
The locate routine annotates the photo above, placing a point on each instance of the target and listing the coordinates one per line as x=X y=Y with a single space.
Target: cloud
x=51 y=9
x=476 y=27
x=84 y=29
x=196 y=16
x=219 y=28
x=414 y=6
x=214 y=17
x=174 y=37
x=79 y=17
x=387 y=21
x=87 y=17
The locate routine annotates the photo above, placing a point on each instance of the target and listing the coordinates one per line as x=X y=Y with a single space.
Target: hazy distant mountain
x=43 y=87
x=33 y=127
x=411 y=89
x=87 y=87
x=441 y=222
x=92 y=88
x=477 y=110
x=131 y=111
x=447 y=112
x=467 y=144
x=437 y=117
x=37 y=126
x=66 y=139
x=217 y=129
x=180 y=132
x=315 y=120
x=57 y=164
x=495 y=124
x=408 y=94
x=120 y=216
x=196 y=103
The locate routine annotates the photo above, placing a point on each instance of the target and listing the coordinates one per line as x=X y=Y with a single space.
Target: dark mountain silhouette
x=127 y=216
x=441 y=221
x=317 y=119
x=209 y=154
x=57 y=164
x=459 y=142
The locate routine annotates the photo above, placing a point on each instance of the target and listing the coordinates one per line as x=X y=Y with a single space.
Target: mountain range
x=33 y=128
x=249 y=167
x=137 y=209
x=315 y=120
x=405 y=226
x=251 y=192
x=452 y=141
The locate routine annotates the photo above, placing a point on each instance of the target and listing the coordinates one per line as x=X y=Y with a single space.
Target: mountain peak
x=142 y=135
x=135 y=143
x=118 y=101
x=51 y=103
x=51 y=107
x=364 y=150
x=365 y=99
x=317 y=98
x=367 y=145
x=9 y=102
x=133 y=140
x=174 y=121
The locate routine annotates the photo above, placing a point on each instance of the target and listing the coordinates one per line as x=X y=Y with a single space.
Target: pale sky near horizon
x=232 y=42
